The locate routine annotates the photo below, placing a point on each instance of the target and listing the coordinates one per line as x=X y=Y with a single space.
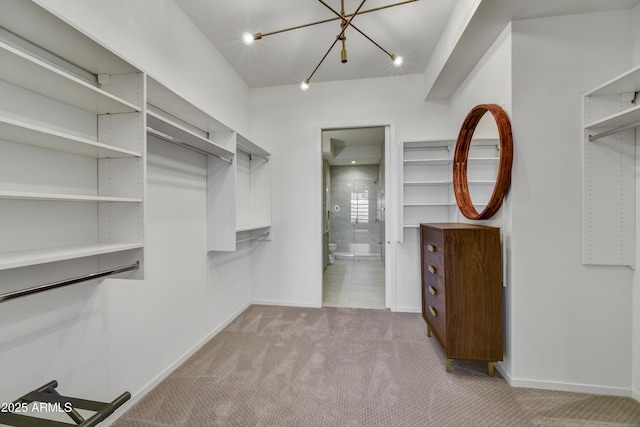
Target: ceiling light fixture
x=345 y=22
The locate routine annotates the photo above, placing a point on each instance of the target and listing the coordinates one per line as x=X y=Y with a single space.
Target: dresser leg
x=490 y=368
x=448 y=365
x=428 y=331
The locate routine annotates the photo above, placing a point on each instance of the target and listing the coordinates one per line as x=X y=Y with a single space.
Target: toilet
x=332 y=250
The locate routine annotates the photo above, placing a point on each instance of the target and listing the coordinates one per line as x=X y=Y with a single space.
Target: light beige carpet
x=284 y=366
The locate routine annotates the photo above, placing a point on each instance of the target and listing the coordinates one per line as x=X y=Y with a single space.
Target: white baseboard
x=635 y=395
x=285 y=303
x=164 y=374
x=401 y=309
x=572 y=387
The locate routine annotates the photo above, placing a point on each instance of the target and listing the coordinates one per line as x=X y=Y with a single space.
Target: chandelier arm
x=382 y=7
x=324 y=21
x=346 y=24
x=357 y=29
x=322 y=60
x=301 y=26
x=344 y=27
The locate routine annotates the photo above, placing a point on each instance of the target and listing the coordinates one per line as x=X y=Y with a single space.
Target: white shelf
x=626 y=82
x=40 y=77
x=243 y=144
x=183 y=134
x=38 y=136
x=252 y=227
x=483 y=159
x=35 y=257
x=20 y=195
x=429 y=204
x=620 y=119
x=427 y=162
x=427 y=183
x=481 y=182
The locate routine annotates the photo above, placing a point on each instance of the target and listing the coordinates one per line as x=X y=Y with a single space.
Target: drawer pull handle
x=432 y=290
x=431 y=269
x=433 y=311
x=432 y=248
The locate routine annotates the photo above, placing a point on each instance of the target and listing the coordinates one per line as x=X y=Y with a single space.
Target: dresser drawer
x=434 y=284
x=435 y=315
x=432 y=236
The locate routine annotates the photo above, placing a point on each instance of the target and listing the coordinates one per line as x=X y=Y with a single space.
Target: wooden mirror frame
x=461 y=156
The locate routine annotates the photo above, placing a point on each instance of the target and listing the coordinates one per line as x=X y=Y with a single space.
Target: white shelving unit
x=253 y=189
x=171 y=118
x=427 y=180
x=611 y=114
x=427 y=183
x=71 y=149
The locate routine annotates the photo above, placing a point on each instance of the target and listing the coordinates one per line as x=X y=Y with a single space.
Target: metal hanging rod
x=266 y=234
x=250 y=152
x=183 y=144
x=614 y=131
x=41 y=288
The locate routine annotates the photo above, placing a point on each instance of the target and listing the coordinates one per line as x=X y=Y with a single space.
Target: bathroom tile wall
x=345 y=182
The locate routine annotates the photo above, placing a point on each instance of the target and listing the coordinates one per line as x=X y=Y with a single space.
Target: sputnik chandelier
x=345 y=22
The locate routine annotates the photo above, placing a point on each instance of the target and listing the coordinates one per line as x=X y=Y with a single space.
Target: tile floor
x=354 y=283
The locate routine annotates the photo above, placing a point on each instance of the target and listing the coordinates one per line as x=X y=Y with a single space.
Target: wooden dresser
x=462 y=290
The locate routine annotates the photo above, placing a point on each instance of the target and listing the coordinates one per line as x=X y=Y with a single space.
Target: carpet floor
x=286 y=366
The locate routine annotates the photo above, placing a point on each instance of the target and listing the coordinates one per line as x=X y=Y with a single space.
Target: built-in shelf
x=426 y=162
x=252 y=227
x=427 y=183
x=431 y=204
x=427 y=179
x=19 y=195
x=39 y=136
x=253 y=187
x=72 y=151
x=611 y=116
x=41 y=77
x=183 y=135
x=41 y=256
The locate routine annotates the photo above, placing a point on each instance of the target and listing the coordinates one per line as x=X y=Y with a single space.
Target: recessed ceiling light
x=353 y=162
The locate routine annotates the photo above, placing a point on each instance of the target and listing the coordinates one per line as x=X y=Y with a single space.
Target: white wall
x=99 y=340
x=570 y=323
x=636 y=282
x=490 y=82
x=288 y=122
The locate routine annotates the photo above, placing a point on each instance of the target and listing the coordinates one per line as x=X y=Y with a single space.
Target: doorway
x=354 y=270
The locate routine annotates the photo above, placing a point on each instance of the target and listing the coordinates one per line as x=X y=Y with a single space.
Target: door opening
x=354 y=260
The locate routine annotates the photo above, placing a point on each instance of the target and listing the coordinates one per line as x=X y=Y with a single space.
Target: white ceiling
x=411 y=30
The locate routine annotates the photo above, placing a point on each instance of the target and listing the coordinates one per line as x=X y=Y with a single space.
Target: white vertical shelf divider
x=610 y=116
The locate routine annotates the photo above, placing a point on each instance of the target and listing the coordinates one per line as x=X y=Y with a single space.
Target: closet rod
x=183 y=144
x=41 y=288
x=250 y=152
x=253 y=237
x=614 y=131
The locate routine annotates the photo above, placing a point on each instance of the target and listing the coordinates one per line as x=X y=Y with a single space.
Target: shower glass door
x=364 y=219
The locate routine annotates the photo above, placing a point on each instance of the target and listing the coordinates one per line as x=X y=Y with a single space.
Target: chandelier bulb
x=304 y=86
x=397 y=60
x=248 y=38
